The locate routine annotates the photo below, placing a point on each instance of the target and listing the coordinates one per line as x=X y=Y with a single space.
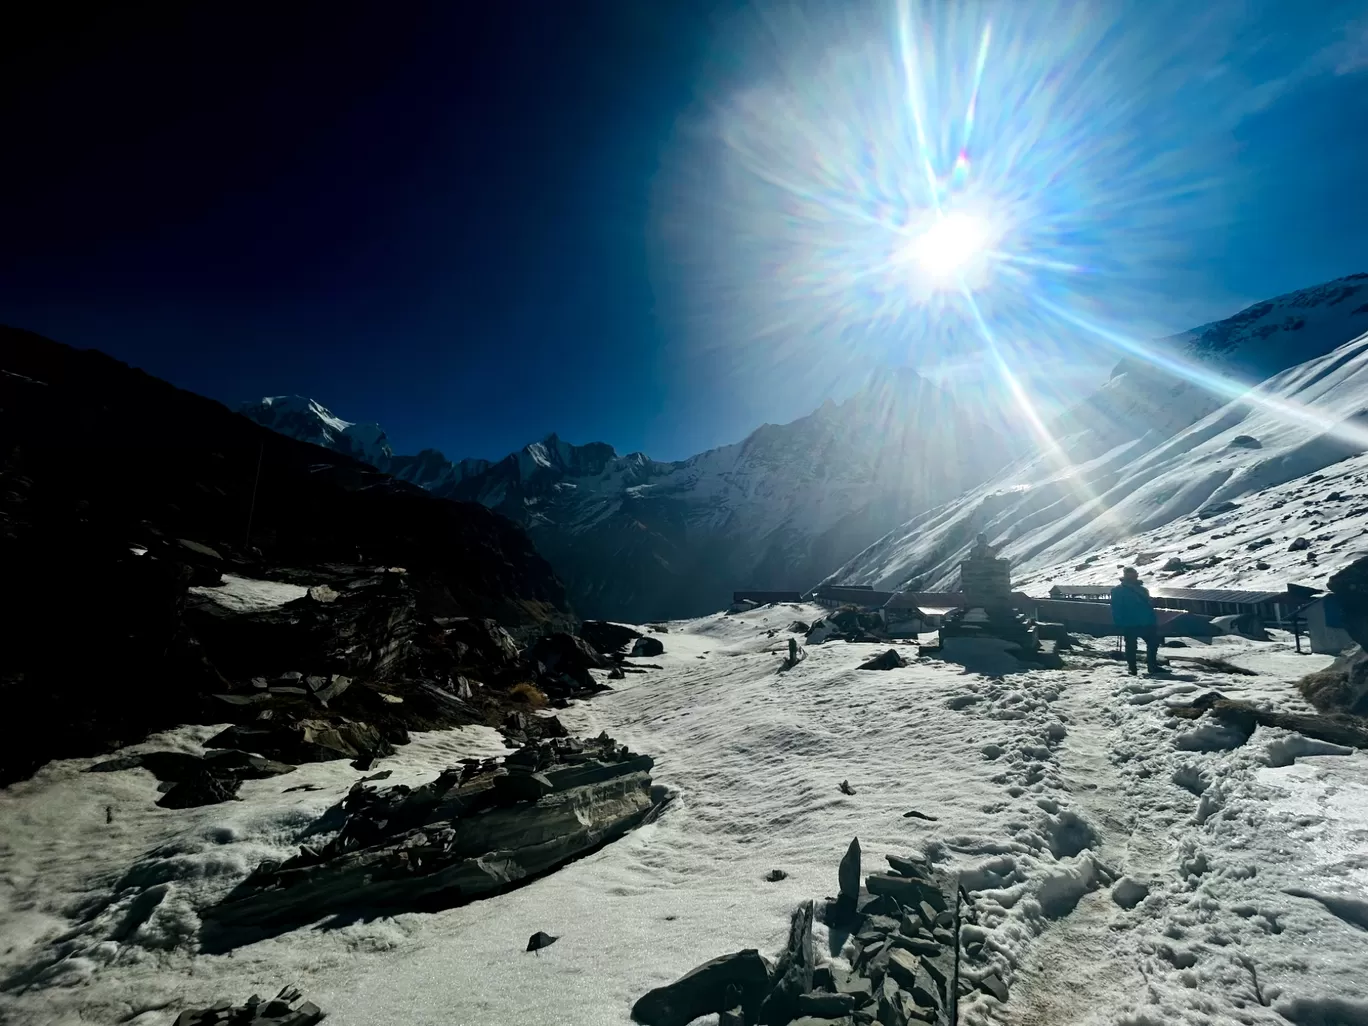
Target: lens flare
x=900 y=181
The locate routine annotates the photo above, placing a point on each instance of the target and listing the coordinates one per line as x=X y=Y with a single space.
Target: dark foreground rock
x=305 y=741
x=606 y=636
x=904 y=973
x=197 y=780
x=741 y=979
x=646 y=647
x=288 y=1008
x=475 y=830
x=889 y=660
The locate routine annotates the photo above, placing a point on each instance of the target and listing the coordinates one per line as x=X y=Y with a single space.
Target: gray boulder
x=647 y=646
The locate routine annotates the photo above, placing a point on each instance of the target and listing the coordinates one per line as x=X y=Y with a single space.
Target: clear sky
x=656 y=224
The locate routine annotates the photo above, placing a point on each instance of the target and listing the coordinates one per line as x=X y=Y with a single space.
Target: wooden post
x=251 y=510
x=955 y=975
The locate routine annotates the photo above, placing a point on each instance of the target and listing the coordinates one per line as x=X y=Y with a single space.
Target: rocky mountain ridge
x=635 y=538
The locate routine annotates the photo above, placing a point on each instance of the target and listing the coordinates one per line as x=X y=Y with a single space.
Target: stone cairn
x=986 y=583
x=905 y=970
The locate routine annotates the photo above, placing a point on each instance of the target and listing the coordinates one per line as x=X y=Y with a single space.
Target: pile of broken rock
x=476 y=829
x=903 y=969
x=285 y=1009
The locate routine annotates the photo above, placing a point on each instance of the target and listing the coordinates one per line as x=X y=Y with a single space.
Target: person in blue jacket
x=1133 y=613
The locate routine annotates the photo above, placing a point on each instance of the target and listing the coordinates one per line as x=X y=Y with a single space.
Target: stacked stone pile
x=905 y=969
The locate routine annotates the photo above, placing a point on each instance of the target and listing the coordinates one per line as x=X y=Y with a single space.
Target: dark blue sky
x=448 y=220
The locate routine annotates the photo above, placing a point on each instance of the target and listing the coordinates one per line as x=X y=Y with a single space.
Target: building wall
x=1326 y=636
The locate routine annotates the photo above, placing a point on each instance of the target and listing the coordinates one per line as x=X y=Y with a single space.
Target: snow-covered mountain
x=1145 y=463
x=302 y=418
x=310 y=421
x=640 y=539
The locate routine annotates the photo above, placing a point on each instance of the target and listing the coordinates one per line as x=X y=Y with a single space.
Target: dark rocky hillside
x=119 y=493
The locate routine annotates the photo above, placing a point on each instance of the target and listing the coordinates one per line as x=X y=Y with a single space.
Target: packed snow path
x=1130 y=868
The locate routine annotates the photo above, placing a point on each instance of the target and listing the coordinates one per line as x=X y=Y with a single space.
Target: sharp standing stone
x=793 y=974
x=848 y=876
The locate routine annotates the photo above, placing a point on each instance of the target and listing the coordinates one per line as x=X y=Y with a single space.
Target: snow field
x=1120 y=878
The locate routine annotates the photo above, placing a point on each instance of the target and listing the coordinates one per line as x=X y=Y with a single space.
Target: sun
x=950 y=246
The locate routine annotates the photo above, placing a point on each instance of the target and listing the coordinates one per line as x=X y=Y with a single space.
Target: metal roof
x=1244 y=598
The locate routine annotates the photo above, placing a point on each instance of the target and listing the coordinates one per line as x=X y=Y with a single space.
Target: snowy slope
x=1122 y=879
x=634 y=538
x=1146 y=495
x=1260 y=341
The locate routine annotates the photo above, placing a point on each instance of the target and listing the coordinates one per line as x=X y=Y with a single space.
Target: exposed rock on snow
x=903 y=972
x=287 y=1008
x=646 y=647
x=540 y=939
x=471 y=832
x=888 y=660
x=740 y=979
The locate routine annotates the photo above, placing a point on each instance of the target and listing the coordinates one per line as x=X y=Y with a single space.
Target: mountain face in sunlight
x=1142 y=398
x=640 y=539
x=1148 y=453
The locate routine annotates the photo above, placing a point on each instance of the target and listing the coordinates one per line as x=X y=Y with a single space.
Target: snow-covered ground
x=1129 y=869
x=249 y=595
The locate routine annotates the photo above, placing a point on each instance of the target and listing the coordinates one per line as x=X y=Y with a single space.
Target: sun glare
x=949 y=248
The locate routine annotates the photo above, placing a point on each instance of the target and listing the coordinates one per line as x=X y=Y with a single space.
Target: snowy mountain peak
x=310 y=421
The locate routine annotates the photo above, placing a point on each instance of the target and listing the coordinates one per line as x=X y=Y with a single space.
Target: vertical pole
x=955 y=974
x=251 y=510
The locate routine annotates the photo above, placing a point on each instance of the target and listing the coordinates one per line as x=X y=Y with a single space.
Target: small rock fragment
x=775 y=875
x=540 y=939
x=845 y=788
x=992 y=984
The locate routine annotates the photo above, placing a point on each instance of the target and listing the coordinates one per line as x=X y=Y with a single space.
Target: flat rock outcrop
x=476 y=829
